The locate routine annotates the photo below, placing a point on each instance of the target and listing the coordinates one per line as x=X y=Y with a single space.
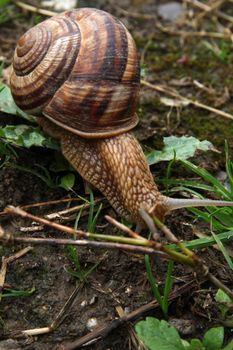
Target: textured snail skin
x=117 y=167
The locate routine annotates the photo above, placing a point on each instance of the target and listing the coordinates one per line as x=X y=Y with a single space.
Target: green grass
x=13 y=293
x=220 y=220
x=72 y=251
x=92 y=217
x=162 y=298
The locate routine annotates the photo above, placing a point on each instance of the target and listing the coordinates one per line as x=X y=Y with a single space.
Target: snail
x=79 y=73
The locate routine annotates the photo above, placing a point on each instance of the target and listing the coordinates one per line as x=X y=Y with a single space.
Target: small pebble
x=184 y=327
x=127 y=310
x=170 y=11
x=128 y=291
x=91 y=323
x=84 y=303
x=93 y=300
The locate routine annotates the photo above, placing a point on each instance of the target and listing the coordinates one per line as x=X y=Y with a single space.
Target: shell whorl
x=80 y=69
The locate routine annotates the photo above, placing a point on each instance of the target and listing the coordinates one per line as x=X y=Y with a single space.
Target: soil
x=120 y=278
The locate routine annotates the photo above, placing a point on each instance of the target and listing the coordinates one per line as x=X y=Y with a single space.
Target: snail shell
x=80 y=69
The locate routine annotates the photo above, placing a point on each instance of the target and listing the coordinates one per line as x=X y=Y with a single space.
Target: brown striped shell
x=80 y=69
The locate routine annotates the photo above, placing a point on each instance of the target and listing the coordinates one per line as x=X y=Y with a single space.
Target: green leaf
x=229 y=346
x=4 y=2
x=7 y=104
x=182 y=147
x=213 y=338
x=158 y=335
x=27 y=136
x=67 y=181
x=222 y=297
x=185 y=344
x=195 y=344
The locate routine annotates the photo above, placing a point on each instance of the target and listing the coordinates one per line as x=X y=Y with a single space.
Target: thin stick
x=57 y=201
x=208 y=10
x=58 y=319
x=8 y=260
x=198 y=104
x=42 y=204
x=24 y=214
x=131 y=14
x=137 y=343
x=202 y=34
x=219 y=284
x=167 y=232
x=177 y=256
x=123 y=228
x=70 y=210
x=35 y=9
x=198 y=263
x=8 y=238
x=74 y=232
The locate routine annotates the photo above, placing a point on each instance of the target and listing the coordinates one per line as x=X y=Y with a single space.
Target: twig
x=8 y=238
x=57 y=201
x=8 y=260
x=167 y=232
x=137 y=343
x=105 y=330
x=123 y=228
x=35 y=9
x=186 y=100
x=58 y=319
x=131 y=14
x=42 y=204
x=136 y=245
x=200 y=266
x=80 y=233
x=24 y=214
x=131 y=242
x=32 y=228
x=214 y=6
x=219 y=284
x=203 y=34
x=70 y=210
x=208 y=10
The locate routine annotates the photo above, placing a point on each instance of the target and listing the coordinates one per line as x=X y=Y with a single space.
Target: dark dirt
x=120 y=277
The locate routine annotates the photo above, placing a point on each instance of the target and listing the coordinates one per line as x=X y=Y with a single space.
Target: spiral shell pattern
x=80 y=69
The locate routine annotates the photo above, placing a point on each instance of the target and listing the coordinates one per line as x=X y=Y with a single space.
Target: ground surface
x=120 y=277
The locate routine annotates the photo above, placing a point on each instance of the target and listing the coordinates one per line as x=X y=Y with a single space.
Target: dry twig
x=137 y=343
x=123 y=228
x=186 y=256
x=58 y=319
x=8 y=260
x=173 y=93
x=8 y=238
x=131 y=14
x=208 y=10
x=201 y=34
x=35 y=9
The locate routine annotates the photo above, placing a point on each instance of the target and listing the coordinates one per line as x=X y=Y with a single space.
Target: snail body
x=79 y=72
